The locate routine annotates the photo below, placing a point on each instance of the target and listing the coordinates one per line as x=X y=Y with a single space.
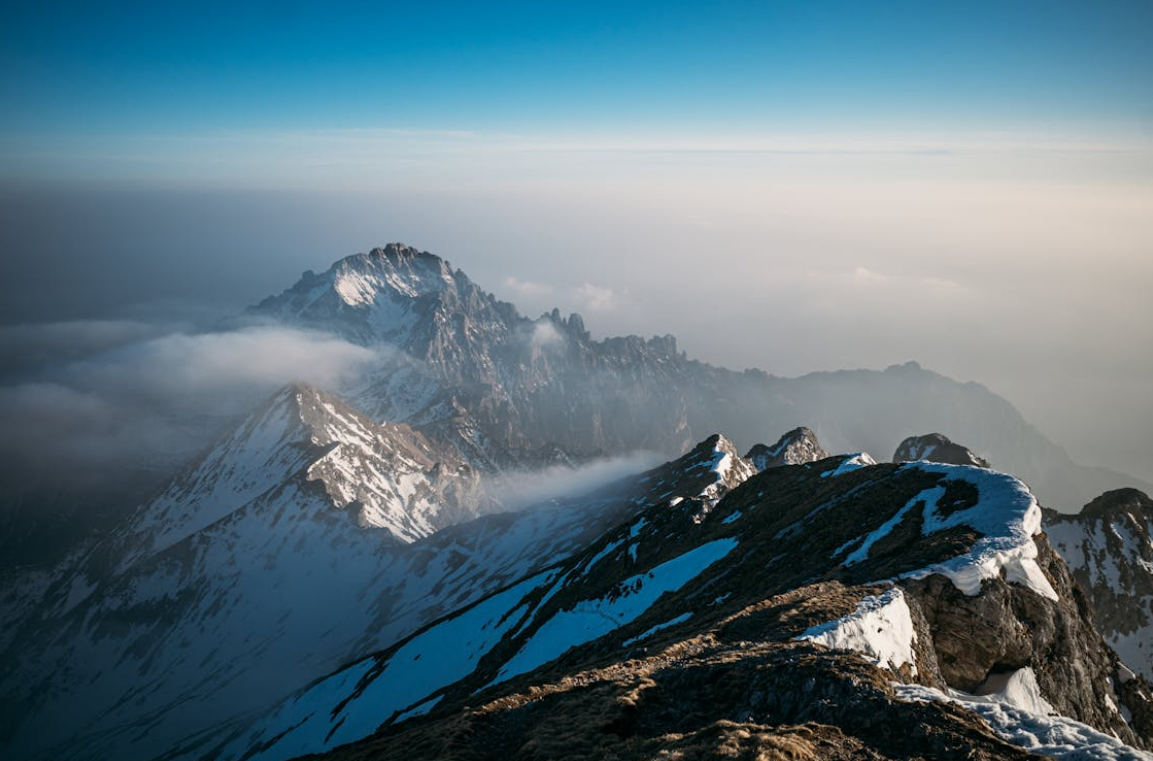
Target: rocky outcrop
x=1108 y=547
x=936 y=447
x=796 y=447
x=980 y=639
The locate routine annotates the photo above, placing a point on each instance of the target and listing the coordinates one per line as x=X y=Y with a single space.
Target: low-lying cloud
x=104 y=409
x=525 y=489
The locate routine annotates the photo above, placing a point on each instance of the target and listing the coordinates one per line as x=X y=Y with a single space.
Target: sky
x=792 y=186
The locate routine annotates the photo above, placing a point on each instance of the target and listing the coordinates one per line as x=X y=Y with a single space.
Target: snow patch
x=849 y=464
x=591 y=619
x=926 y=498
x=881 y=629
x=1008 y=517
x=654 y=629
x=1058 y=737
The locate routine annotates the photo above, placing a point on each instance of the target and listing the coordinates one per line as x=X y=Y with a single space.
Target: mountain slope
x=949 y=559
x=186 y=621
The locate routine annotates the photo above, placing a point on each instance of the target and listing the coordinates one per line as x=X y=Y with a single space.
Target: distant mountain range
x=344 y=564
x=471 y=370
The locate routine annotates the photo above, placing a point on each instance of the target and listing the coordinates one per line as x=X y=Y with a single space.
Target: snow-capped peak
x=362 y=278
x=796 y=447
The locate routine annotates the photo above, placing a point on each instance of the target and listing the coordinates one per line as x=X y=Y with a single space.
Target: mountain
x=936 y=447
x=822 y=610
x=366 y=532
x=796 y=447
x=301 y=541
x=469 y=371
x=1108 y=547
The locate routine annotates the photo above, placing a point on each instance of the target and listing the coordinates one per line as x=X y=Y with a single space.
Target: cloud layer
x=106 y=407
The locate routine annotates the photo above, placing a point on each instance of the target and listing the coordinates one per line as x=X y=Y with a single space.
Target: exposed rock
x=936 y=447
x=1008 y=627
x=796 y=447
x=1108 y=547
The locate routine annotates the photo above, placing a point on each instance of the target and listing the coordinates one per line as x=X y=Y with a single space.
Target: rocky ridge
x=941 y=592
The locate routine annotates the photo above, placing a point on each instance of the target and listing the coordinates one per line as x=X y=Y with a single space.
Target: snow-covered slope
x=1109 y=548
x=219 y=615
x=388 y=475
x=672 y=573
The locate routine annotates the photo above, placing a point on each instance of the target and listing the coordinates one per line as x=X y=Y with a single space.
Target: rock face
x=801 y=596
x=1108 y=547
x=936 y=447
x=796 y=447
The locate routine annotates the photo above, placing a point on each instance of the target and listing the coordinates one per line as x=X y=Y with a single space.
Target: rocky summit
x=936 y=447
x=356 y=571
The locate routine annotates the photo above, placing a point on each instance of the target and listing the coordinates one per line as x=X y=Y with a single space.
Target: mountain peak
x=1131 y=503
x=798 y=446
x=936 y=447
x=359 y=280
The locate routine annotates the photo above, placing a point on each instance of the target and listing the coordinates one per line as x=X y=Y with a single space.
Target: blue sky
x=968 y=184
x=593 y=67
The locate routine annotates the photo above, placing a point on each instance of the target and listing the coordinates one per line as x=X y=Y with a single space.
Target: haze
x=779 y=186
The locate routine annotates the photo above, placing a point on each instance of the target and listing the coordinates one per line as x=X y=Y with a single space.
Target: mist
x=1024 y=268
x=518 y=490
x=98 y=407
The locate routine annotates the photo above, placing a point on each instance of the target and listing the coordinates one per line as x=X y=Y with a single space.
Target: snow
x=356 y=288
x=589 y=565
x=654 y=629
x=927 y=497
x=590 y=619
x=881 y=629
x=419 y=710
x=448 y=651
x=1008 y=517
x=849 y=464
x=1016 y=688
x=1111 y=557
x=1012 y=716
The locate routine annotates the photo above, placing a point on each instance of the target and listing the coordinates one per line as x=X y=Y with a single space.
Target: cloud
x=527 y=288
x=595 y=298
x=116 y=417
x=864 y=277
x=521 y=490
x=29 y=347
x=211 y=368
x=545 y=334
